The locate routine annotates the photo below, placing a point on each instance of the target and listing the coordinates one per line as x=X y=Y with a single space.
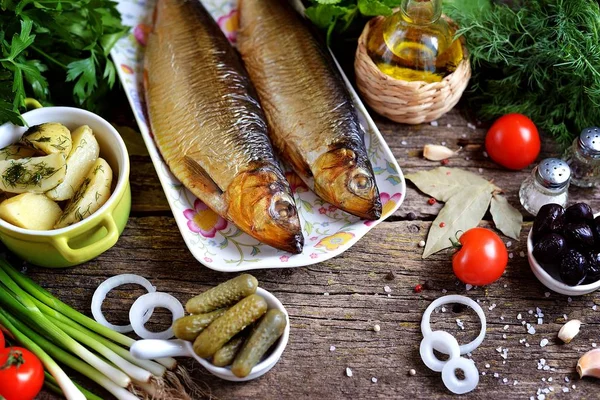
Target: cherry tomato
x=21 y=374
x=482 y=257
x=513 y=141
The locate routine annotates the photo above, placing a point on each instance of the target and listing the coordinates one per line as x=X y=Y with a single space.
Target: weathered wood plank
x=356 y=301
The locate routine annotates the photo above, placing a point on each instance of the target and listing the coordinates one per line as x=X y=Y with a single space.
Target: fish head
x=260 y=201
x=341 y=177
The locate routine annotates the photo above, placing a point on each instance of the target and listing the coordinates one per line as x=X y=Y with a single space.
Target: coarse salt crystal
x=515 y=383
x=499 y=349
x=543 y=379
x=567 y=379
x=565 y=316
x=565 y=390
x=550 y=379
x=325 y=294
x=403 y=143
x=444 y=291
x=468 y=287
x=387 y=289
x=433 y=123
x=443 y=309
x=505 y=380
x=482 y=372
x=460 y=324
x=501 y=318
x=522 y=254
x=546 y=367
x=471 y=126
x=519 y=316
x=569 y=299
x=504 y=354
x=492 y=306
x=508 y=244
x=503 y=362
x=541 y=397
x=348 y=372
x=496 y=375
x=487 y=365
x=573 y=386
x=480 y=170
x=443 y=143
x=504 y=336
x=485 y=154
x=540 y=321
x=506 y=327
x=594 y=344
x=530 y=312
x=594 y=307
x=547 y=294
x=523 y=322
x=522 y=340
x=331 y=348
x=538 y=312
x=448 y=126
x=544 y=342
x=374 y=380
x=510 y=255
x=464 y=135
x=531 y=330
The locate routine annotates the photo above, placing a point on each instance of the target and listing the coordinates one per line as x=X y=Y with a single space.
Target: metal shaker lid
x=553 y=173
x=589 y=141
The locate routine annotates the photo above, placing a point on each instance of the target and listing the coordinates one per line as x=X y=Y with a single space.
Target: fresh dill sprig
x=540 y=58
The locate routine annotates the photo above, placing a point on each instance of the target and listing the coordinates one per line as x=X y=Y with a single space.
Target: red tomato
x=513 y=141
x=482 y=257
x=21 y=374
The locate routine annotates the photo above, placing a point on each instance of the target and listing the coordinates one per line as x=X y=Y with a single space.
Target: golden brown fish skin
x=209 y=126
x=312 y=119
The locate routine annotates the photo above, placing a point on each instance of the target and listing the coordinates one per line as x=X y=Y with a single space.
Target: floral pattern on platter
x=212 y=240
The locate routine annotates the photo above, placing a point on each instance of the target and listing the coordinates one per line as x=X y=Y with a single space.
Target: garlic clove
x=436 y=152
x=569 y=330
x=589 y=364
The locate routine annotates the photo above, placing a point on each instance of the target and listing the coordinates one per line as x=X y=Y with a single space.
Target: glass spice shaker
x=548 y=183
x=583 y=158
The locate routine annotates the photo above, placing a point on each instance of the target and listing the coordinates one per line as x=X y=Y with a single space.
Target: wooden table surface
x=334 y=305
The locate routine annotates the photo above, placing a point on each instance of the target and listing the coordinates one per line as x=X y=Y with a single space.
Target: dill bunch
x=540 y=58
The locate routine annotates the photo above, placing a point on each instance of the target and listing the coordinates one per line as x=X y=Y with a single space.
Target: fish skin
x=210 y=128
x=312 y=119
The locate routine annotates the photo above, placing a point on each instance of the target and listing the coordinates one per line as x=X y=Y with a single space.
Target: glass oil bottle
x=415 y=43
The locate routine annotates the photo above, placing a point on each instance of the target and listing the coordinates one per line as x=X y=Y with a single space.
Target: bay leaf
x=506 y=218
x=462 y=211
x=442 y=183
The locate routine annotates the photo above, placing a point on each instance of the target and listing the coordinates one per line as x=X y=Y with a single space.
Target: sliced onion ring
x=149 y=302
x=107 y=286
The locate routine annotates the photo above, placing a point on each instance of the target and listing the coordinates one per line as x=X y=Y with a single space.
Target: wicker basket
x=407 y=102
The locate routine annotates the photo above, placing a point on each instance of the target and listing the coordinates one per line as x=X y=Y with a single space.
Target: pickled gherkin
x=188 y=328
x=226 y=354
x=269 y=329
x=233 y=321
x=223 y=295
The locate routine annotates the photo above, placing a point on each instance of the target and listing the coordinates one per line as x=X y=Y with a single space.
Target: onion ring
x=148 y=302
x=107 y=286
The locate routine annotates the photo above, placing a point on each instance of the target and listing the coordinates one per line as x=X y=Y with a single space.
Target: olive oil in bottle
x=415 y=44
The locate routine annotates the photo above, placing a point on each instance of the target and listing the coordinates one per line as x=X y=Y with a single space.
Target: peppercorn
x=431 y=201
x=418 y=288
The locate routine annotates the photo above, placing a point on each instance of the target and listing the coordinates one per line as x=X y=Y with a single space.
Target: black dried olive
x=592 y=267
x=579 y=212
x=579 y=235
x=572 y=268
x=596 y=229
x=549 y=248
x=548 y=220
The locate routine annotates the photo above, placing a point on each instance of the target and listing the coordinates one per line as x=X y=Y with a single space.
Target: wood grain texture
x=356 y=301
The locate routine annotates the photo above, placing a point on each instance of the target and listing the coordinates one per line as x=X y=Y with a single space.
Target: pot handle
x=93 y=249
x=153 y=348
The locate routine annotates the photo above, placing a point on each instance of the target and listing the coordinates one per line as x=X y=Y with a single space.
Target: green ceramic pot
x=94 y=235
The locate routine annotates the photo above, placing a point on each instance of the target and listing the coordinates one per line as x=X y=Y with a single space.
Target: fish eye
x=282 y=207
x=360 y=182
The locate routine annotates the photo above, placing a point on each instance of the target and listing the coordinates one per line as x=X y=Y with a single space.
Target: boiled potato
x=15 y=152
x=91 y=195
x=49 y=138
x=36 y=175
x=83 y=155
x=30 y=211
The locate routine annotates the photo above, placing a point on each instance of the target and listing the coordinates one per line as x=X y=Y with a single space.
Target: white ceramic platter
x=215 y=242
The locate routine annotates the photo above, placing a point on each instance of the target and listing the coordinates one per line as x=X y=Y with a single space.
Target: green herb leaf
x=22 y=41
x=325 y=14
x=84 y=71
x=506 y=218
x=372 y=8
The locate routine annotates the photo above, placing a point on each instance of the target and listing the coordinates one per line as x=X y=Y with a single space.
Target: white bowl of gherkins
x=237 y=331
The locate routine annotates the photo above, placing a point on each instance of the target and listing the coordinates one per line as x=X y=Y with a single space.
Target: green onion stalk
x=54 y=331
